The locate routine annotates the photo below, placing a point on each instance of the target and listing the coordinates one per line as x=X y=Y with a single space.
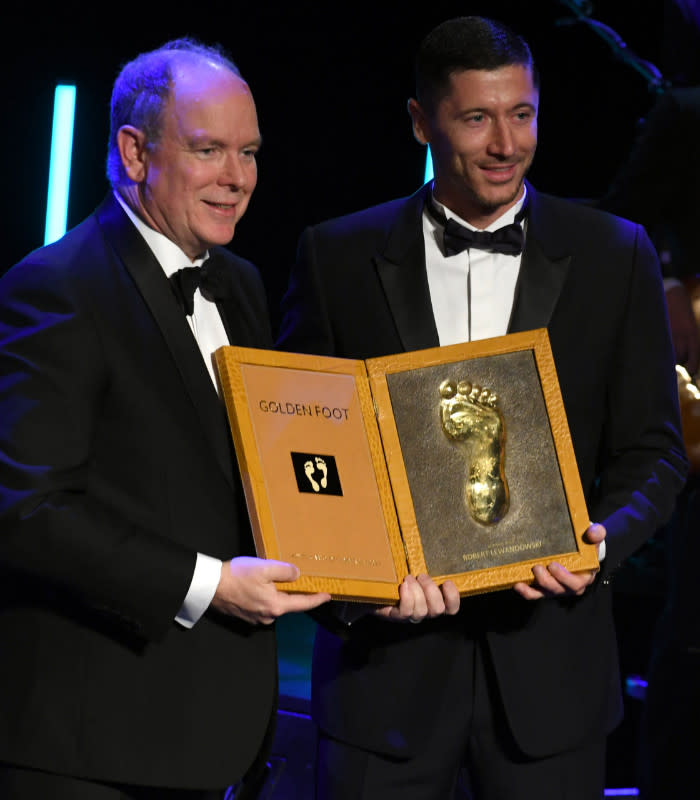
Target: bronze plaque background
x=537 y=524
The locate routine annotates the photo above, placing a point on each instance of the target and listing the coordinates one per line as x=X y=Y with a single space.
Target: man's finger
x=304 y=602
x=413 y=604
x=528 y=592
x=595 y=533
x=435 y=603
x=450 y=594
x=281 y=571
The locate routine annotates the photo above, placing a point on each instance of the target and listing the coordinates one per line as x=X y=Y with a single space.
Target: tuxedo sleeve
x=60 y=528
x=642 y=458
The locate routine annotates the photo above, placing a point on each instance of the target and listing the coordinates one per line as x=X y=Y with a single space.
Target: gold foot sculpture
x=470 y=415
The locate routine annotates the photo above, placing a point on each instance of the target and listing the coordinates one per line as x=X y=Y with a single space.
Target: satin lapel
x=244 y=313
x=543 y=269
x=401 y=269
x=151 y=282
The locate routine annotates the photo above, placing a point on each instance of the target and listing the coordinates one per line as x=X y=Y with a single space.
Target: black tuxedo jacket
x=115 y=469
x=360 y=290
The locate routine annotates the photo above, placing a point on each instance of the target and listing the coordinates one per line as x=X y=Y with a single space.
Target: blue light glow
x=296 y=714
x=621 y=793
x=428 y=166
x=635 y=686
x=59 y=167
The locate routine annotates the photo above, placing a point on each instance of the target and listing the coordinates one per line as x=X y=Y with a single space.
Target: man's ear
x=134 y=155
x=421 y=128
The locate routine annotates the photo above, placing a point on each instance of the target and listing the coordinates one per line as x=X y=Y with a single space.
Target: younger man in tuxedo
x=520 y=687
x=138 y=659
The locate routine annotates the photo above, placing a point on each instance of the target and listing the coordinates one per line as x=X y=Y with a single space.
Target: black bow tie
x=508 y=240
x=211 y=279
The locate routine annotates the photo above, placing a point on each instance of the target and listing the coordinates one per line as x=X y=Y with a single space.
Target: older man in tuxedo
x=138 y=660
x=520 y=687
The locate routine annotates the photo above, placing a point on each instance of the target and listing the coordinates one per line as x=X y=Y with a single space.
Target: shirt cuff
x=205 y=580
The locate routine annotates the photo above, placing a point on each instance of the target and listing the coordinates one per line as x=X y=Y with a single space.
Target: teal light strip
x=428 y=166
x=59 y=167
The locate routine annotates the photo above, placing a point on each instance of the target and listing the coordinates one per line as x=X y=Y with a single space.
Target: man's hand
x=247 y=590
x=556 y=581
x=420 y=598
x=684 y=328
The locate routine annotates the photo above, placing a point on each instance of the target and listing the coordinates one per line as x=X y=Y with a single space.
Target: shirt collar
x=167 y=253
x=505 y=219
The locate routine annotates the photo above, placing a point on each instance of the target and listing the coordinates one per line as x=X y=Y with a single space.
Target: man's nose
x=502 y=140
x=233 y=172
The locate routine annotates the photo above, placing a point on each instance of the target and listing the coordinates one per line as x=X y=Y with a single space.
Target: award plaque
x=313 y=470
x=454 y=461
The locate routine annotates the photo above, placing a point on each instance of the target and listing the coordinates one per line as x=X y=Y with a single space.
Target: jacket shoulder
x=570 y=218
x=375 y=219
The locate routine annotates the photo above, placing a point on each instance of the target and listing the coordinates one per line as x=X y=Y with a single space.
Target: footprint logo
x=323 y=469
x=309 y=470
x=316 y=473
x=471 y=418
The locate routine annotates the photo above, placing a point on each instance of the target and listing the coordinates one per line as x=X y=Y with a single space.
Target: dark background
x=331 y=83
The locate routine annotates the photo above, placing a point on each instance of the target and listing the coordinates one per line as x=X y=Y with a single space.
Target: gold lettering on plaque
x=357 y=562
x=470 y=416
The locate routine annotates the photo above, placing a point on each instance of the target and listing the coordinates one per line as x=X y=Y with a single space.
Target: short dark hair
x=465 y=43
x=143 y=88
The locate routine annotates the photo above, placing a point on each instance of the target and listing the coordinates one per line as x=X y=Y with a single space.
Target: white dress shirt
x=471 y=292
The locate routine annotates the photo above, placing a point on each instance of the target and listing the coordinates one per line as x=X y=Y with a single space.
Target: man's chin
x=501 y=198
x=221 y=237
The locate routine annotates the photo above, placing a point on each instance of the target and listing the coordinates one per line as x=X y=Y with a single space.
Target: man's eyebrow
x=202 y=138
x=197 y=140
x=257 y=142
x=487 y=109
